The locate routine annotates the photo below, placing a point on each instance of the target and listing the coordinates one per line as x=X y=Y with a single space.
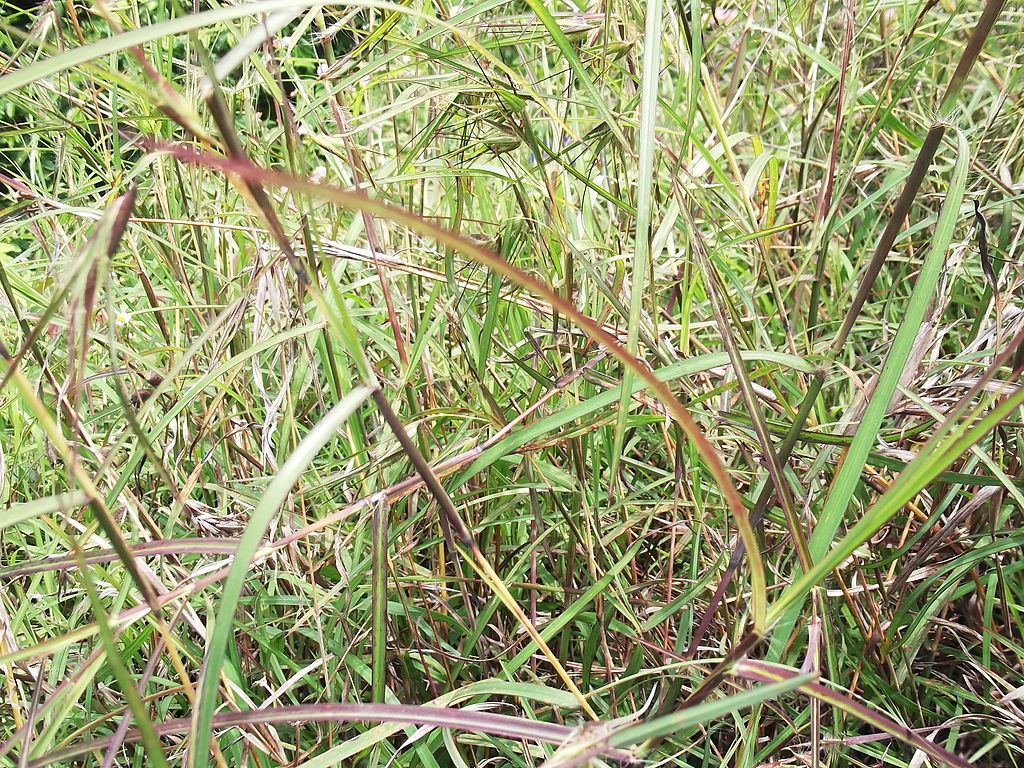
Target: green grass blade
x=379 y=598
x=598 y=101
x=644 y=204
x=19 y=513
x=847 y=479
x=274 y=497
x=693 y=716
x=604 y=400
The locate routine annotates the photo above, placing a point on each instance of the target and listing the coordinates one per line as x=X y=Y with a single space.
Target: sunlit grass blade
x=692 y=716
x=272 y=501
x=566 y=48
x=26 y=510
x=646 y=162
x=847 y=479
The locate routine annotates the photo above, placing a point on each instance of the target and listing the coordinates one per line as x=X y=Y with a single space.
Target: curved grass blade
x=412 y=714
x=606 y=399
x=766 y=672
x=666 y=725
x=19 y=513
x=478 y=253
x=183 y=546
x=484 y=688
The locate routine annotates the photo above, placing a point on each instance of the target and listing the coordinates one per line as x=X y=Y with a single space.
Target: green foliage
x=426 y=384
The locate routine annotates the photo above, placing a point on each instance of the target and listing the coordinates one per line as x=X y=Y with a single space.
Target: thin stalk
x=455 y=521
x=379 y=598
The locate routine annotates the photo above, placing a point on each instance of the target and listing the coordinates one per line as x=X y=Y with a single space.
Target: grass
x=511 y=384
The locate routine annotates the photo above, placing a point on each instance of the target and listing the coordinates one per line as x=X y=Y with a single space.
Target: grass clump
x=414 y=384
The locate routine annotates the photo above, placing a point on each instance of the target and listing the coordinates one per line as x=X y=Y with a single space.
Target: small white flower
x=121 y=319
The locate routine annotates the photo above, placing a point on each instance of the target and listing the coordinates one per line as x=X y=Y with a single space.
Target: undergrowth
x=511 y=384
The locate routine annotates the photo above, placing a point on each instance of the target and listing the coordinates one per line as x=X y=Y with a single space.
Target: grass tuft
x=402 y=384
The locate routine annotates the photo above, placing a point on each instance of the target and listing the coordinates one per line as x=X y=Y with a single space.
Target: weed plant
x=511 y=383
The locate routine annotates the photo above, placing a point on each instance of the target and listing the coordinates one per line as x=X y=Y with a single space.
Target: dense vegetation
x=511 y=384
